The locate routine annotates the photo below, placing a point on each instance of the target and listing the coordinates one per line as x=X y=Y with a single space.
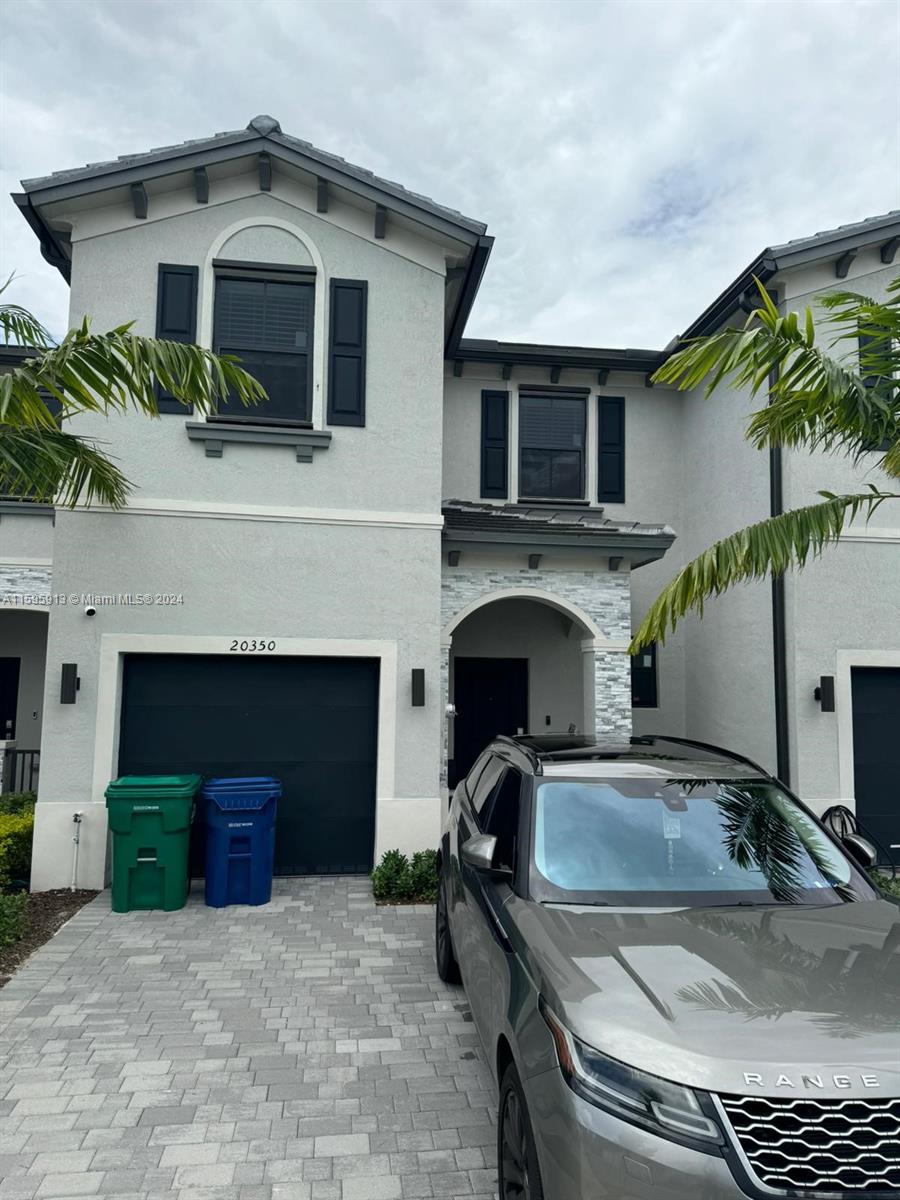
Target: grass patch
x=401 y=880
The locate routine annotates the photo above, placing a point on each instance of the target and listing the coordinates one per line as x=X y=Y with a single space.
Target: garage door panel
x=338 y=822
x=310 y=722
x=876 y=731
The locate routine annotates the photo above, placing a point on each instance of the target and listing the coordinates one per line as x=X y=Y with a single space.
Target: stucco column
x=446 y=717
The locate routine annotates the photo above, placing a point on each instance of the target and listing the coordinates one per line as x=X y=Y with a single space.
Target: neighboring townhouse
x=422 y=539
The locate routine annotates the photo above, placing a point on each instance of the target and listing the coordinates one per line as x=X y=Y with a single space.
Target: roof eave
x=646 y=546
x=578 y=357
x=782 y=258
x=475 y=269
x=52 y=245
x=45 y=191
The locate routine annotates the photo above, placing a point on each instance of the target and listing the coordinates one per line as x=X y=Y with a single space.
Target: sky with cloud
x=629 y=156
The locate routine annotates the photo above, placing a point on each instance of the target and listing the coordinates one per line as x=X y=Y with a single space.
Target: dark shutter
x=176 y=318
x=494 y=444
x=347 y=352
x=612 y=449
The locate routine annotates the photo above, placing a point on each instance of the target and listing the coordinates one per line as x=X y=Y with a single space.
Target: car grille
x=837 y=1146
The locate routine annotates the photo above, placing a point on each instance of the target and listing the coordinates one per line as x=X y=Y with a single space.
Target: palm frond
x=51 y=466
x=19 y=326
x=770 y=547
x=90 y=372
x=815 y=398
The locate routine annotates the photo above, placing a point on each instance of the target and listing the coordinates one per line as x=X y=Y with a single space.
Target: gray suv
x=686 y=987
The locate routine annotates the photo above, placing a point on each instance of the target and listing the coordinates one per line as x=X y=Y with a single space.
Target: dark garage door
x=876 y=734
x=312 y=722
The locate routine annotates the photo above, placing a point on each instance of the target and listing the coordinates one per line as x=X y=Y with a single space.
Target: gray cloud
x=629 y=157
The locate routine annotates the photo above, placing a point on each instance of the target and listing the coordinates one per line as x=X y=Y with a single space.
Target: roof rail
x=665 y=737
x=525 y=750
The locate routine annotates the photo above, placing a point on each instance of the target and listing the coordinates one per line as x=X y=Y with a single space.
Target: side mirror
x=478 y=852
x=862 y=851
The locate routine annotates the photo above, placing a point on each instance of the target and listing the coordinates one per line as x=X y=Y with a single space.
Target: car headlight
x=664 y=1108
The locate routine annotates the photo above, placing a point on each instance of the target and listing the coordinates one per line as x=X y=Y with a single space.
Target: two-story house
x=421 y=540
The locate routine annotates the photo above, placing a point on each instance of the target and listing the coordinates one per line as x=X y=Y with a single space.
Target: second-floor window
x=551 y=447
x=268 y=324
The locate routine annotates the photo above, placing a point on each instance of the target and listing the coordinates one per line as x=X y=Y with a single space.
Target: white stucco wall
x=654 y=491
x=342 y=550
x=847 y=603
x=393 y=463
x=279 y=580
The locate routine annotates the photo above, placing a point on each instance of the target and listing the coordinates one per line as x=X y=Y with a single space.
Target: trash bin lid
x=157 y=787
x=241 y=783
x=249 y=794
x=243 y=801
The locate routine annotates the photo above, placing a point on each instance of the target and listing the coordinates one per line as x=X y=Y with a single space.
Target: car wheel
x=447 y=966
x=517 y=1162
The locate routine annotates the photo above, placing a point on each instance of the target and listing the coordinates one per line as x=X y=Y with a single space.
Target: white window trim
x=845 y=660
x=206 y=300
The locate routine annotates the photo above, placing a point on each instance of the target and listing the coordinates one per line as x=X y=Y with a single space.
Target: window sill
x=216 y=433
x=30 y=508
x=547 y=502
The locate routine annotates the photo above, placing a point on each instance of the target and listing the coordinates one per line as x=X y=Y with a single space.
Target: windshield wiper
x=580 y=903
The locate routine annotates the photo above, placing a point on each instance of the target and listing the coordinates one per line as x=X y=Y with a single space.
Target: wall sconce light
x=824 y=693
x=452 y=558
x=534 y=561
x=69 y=683
x=418 y=687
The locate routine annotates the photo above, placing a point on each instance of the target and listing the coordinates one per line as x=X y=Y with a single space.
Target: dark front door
x=491 y=697
x=9 y=695
x=876 y=733
x=310 y=722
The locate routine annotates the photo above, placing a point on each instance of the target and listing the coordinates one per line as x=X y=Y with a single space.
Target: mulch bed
x=45 y=913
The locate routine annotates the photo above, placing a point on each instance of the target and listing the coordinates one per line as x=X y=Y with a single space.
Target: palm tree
x=94 y=373
x=817 y=400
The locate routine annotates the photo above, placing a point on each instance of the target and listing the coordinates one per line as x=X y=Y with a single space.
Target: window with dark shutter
x=611 y=442
x=268 y=325
x=643 y=678
x=347 y=352
x=494 y=445
x=176 y=318
x=551 y=447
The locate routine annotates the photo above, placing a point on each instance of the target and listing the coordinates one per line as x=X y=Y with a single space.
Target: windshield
x=693 y=842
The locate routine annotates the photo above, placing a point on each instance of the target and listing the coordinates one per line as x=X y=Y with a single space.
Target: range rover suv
x=687 y=988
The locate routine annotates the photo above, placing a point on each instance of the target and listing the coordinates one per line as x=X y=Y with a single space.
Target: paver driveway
x=305 y=1050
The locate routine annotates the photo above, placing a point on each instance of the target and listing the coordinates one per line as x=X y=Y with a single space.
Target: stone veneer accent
x=604 y=596
x=16 y=582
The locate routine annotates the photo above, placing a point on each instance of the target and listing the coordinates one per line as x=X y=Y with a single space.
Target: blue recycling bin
x=240 y=839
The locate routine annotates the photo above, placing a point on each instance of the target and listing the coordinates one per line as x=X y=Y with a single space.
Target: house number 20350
x=252 y=645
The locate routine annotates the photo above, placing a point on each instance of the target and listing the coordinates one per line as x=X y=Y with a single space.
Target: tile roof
x=260 y=127
x=829 y=235
x=468 y=515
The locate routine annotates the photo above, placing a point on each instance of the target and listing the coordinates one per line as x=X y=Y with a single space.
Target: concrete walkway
x=305 y=1050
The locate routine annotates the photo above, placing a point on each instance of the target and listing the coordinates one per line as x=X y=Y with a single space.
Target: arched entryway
x=518 y=661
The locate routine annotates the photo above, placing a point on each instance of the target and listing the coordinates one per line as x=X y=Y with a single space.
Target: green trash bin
x=150 y=822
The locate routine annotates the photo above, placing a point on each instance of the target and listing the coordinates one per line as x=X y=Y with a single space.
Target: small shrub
x=16 y=835
x=887 y=884
x=15 y=803
x=423 y=872
x=397 y=880
x=12 y=918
